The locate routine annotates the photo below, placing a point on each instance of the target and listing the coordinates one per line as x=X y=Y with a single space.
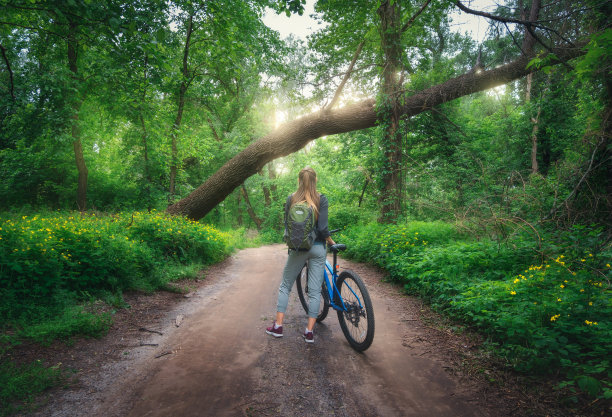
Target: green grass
x=19 y=385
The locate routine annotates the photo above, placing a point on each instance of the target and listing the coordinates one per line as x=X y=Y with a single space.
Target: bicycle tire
x=357 y=323
x=302 y=289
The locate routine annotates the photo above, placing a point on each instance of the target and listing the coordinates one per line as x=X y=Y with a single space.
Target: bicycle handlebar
x=331 y=232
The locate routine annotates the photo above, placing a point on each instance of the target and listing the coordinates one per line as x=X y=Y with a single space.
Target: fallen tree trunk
x=294 y=135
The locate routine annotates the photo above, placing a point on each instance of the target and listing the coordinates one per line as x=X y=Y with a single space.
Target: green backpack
x=300 y=230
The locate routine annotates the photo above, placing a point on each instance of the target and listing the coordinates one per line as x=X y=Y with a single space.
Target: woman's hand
x=330 y=241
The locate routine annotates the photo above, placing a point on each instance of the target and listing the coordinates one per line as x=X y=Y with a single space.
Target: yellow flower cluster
x=57 y=235
x=555 y=317
x=590 y=323
x=400 y=239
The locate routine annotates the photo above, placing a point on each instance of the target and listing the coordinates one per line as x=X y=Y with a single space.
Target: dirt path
x=219 y=362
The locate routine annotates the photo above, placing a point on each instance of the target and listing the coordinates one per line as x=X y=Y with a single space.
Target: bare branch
x=529 y=25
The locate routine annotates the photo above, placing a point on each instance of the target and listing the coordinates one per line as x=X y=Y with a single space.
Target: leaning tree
x=540 y=41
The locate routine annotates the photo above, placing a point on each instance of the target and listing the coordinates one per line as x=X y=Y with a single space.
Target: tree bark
x=296 y=134
x=392 y=187
x=250 y=210
x=75 y=129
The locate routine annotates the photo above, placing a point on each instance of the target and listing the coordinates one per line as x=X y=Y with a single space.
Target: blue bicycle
x=347 y=294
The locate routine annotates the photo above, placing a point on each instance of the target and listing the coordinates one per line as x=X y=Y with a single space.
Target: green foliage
x=344 y=215
x=50 y=260
x=20 y=384
x=544 y=305
x=74 y=320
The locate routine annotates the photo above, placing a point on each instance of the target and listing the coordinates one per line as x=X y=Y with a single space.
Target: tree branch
x=529 y=25
x=213 y=130
x=10 y=71
x=346 y=77
x=33 y=28
x=258 y=222
x=294 y=135
x=414 y=17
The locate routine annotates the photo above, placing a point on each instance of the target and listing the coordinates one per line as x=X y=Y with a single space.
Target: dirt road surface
x=220 y=362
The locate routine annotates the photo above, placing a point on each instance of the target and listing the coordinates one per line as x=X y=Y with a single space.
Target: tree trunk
x=266 y=192
x=75 y=129
x=534 y=129
x=392 y=187
x=363 y=190
x=534 y=141
x=250 y=210
x=239 y=209
x=179 y=112
x=272 y=176
x=294 y=135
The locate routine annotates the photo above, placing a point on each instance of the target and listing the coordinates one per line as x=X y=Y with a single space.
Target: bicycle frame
x=332 y=288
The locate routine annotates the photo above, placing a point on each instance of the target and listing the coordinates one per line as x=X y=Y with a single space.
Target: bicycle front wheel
x=357 y=318
x=302 y=289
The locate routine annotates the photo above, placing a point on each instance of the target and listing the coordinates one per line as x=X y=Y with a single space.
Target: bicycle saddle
x=337 y=247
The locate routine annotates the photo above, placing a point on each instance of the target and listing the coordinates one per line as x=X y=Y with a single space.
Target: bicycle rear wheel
x=357 y=322
x=302 y=289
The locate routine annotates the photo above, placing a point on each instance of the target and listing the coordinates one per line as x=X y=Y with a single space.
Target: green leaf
x=589 y=384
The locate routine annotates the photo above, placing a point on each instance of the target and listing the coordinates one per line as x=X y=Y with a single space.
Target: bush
x=48 y=262
x=22 y=383
x=545 y=305
x=342 y=216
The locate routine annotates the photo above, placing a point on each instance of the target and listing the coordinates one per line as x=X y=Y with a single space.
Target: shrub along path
x=220 y=362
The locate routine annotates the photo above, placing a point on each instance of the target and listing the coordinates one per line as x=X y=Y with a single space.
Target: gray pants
x=296 y=260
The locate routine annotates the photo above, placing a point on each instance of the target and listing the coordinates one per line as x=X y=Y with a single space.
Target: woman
x=306 y=192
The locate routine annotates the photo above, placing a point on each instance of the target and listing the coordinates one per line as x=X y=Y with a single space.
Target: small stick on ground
x=142 y=329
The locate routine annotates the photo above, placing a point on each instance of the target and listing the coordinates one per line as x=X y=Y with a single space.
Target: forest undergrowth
x=542 y=302
x=56 y=266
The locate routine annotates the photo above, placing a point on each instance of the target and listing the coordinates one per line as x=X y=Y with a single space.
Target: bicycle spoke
x=356 y=314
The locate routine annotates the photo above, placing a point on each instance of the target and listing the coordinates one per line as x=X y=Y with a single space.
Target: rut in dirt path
x=223 y=364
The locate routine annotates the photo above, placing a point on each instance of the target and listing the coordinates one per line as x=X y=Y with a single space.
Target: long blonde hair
x=307 y=190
